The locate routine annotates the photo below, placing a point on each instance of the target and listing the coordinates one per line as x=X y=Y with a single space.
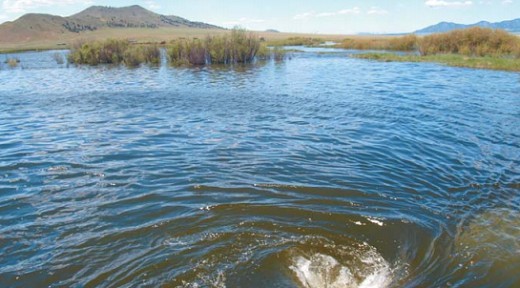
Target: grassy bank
x=470 y=42
x=474 y=48
x=296 y=41
x=456 y=60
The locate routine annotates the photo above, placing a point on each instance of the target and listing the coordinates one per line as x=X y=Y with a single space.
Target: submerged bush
x=58 y=57
x=114 y=52
x=12 y=62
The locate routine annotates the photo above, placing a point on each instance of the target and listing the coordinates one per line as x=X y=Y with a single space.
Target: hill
x=512 y=26
x=44 y=27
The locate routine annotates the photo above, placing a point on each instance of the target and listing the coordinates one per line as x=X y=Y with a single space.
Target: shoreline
x=453 y=60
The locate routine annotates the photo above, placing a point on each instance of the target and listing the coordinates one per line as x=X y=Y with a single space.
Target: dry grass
x=141 y=35
x=471 y=42
x=403 y=43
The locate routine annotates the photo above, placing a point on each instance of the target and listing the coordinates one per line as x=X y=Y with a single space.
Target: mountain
x=512 y=26
x=34 y=27
x=131 y=17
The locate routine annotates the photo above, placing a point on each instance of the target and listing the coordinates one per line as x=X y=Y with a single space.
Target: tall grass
x=114 y=52
x=297 y=41
x=471 y=42
x=478 y=42
x=237 y=47
x=404 y=43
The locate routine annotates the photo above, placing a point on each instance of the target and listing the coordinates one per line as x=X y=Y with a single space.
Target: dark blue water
x=320 y=171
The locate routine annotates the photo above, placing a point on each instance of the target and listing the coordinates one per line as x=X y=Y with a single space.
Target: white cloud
x=304 y=16
x=21 y=6
x=354 y=10
x=446 y=3
x=307 y=15
x=506 y=2
x=150 y=4
x=376 y=11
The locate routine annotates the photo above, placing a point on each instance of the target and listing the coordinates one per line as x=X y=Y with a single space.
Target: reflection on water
x=320 y=171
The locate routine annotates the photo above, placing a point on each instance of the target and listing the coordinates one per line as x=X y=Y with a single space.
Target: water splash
x=367 y=269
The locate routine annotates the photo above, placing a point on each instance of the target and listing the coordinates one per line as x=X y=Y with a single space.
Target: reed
x=237 y=47
x=474 y=41
x=113 y=52
x=297 y=41
x=404 y=43
x=477 y=42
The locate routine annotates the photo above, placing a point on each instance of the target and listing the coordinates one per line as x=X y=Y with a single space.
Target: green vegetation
x=114 y=52
x=456 y=60
x=474 y=47
x=237 y=47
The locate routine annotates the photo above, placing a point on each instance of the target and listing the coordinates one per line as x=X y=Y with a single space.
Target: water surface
x=320 y=171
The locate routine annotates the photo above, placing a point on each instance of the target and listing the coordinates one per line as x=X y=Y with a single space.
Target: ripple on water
x=367 y=174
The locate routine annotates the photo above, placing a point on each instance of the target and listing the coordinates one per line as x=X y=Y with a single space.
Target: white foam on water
x=376 y=221
x=321 y=271
x=324 y=271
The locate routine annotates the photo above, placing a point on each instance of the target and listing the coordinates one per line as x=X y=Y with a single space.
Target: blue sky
x=309 y=16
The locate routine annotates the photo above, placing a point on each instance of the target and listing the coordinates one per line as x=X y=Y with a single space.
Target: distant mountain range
x=512 y=26
x=33 y=27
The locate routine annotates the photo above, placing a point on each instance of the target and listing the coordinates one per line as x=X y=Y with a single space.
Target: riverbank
x=455 y=60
